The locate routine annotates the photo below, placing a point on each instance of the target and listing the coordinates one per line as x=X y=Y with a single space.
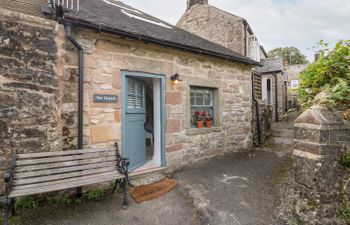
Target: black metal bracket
x=123 y=164
x=8 y=178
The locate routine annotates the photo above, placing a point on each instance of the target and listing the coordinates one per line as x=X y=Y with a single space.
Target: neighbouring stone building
x=292 y=73
x=144 y=81
x=274 y=86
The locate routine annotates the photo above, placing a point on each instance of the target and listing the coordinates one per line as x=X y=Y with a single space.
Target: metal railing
x=68 y=4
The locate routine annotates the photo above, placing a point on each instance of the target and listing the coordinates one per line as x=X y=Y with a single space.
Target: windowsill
x=204 y=130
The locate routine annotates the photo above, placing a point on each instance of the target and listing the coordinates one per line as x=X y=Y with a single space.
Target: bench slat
x=62 y=181
x=63 y=170
x=64 y=164
x=63 y=176
x=71 y=184
x=64 y=158
x=61 y=153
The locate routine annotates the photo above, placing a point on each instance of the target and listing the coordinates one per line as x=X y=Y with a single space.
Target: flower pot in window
x=200 y=124
x=209 y=123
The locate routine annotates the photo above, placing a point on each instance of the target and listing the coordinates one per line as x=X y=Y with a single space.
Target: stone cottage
x=90 y=75
x=235 y=33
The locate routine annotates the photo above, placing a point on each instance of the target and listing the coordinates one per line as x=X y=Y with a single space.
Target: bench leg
x=115 y=186
x=12 y=207
x=125 y=194
x=79 y=192
x=7 y=211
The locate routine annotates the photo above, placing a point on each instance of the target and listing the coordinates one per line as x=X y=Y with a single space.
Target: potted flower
x=209 y=121
x=198 y=119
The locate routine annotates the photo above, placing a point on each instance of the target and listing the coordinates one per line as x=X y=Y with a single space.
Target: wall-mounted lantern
x=175 y=79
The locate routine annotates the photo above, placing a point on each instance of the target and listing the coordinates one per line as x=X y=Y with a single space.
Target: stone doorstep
x=147 y=171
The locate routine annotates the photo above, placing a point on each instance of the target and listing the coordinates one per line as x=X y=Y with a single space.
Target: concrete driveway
x=237 y=189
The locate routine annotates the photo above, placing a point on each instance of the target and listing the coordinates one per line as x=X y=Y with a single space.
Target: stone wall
x=29 y=86
x=106 y=56
x=215 y=25
x=265 y=122
x=321 y=138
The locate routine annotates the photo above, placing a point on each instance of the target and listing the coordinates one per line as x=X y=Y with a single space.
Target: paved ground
x=238 y=189
x=171 y=209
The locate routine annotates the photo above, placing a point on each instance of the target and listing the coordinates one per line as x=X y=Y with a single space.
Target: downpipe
x=69 y=33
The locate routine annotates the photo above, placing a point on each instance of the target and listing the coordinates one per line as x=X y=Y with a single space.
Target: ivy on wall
x=330 y=74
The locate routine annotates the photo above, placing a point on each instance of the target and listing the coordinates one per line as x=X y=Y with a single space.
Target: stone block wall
x=106 y=56
x=321 y=138
x=265 y=122
x=30 y=108
x=215 y=25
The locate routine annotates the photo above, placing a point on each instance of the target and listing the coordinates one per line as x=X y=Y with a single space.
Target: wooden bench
x=38 y=173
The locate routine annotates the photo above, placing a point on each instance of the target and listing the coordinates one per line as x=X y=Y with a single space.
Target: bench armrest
x=8 y=177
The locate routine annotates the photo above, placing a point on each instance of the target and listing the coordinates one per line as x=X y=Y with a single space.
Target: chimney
x=191 y=3
x=317 y=55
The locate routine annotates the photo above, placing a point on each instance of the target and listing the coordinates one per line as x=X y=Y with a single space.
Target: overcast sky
x=276 y=23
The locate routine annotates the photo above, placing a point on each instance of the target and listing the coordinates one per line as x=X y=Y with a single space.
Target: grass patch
x=28 y=202
x=33 y=202
x=345 y=213
x=95 y=193
x=344 y=160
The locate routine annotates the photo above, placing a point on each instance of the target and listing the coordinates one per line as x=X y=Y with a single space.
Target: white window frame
x=207 y=106
x=266 y=94
x=294 y=84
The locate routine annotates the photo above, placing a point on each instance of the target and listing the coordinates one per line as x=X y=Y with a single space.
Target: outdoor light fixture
x=175 y=78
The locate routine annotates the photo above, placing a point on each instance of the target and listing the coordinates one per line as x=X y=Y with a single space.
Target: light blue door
x=135 y=118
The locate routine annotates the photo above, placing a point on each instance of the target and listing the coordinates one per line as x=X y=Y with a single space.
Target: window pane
x=199 y=100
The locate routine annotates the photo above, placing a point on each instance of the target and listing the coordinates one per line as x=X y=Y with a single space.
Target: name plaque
x=98 y=98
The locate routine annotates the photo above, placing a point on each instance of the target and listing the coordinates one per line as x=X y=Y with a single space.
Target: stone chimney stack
x=317 y=55
x=191 y=3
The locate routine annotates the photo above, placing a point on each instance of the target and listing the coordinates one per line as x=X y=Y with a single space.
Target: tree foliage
x=290 y=55
x=329 y=74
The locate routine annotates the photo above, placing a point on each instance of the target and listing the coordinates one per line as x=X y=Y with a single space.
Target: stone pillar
x=320 y=138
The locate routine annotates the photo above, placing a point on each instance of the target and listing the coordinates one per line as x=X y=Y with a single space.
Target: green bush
x=330 y=73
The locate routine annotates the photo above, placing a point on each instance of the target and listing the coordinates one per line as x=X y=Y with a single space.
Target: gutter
x=276 y=93
x=257 y=111
x=89 y=25
x=68 y=27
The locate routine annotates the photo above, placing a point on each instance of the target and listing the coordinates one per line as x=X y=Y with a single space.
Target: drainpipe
x=257 y=111
x=69 y=33
x=276 y=99
x=286 y=97
x=245 y=37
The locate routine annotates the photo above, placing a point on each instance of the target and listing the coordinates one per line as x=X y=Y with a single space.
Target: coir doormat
x=151 y=191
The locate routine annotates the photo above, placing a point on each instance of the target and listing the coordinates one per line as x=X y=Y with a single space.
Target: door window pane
x=135 y=94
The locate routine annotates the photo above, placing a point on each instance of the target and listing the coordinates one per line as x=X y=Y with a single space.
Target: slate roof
x=118 y=18
x=270 y=65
